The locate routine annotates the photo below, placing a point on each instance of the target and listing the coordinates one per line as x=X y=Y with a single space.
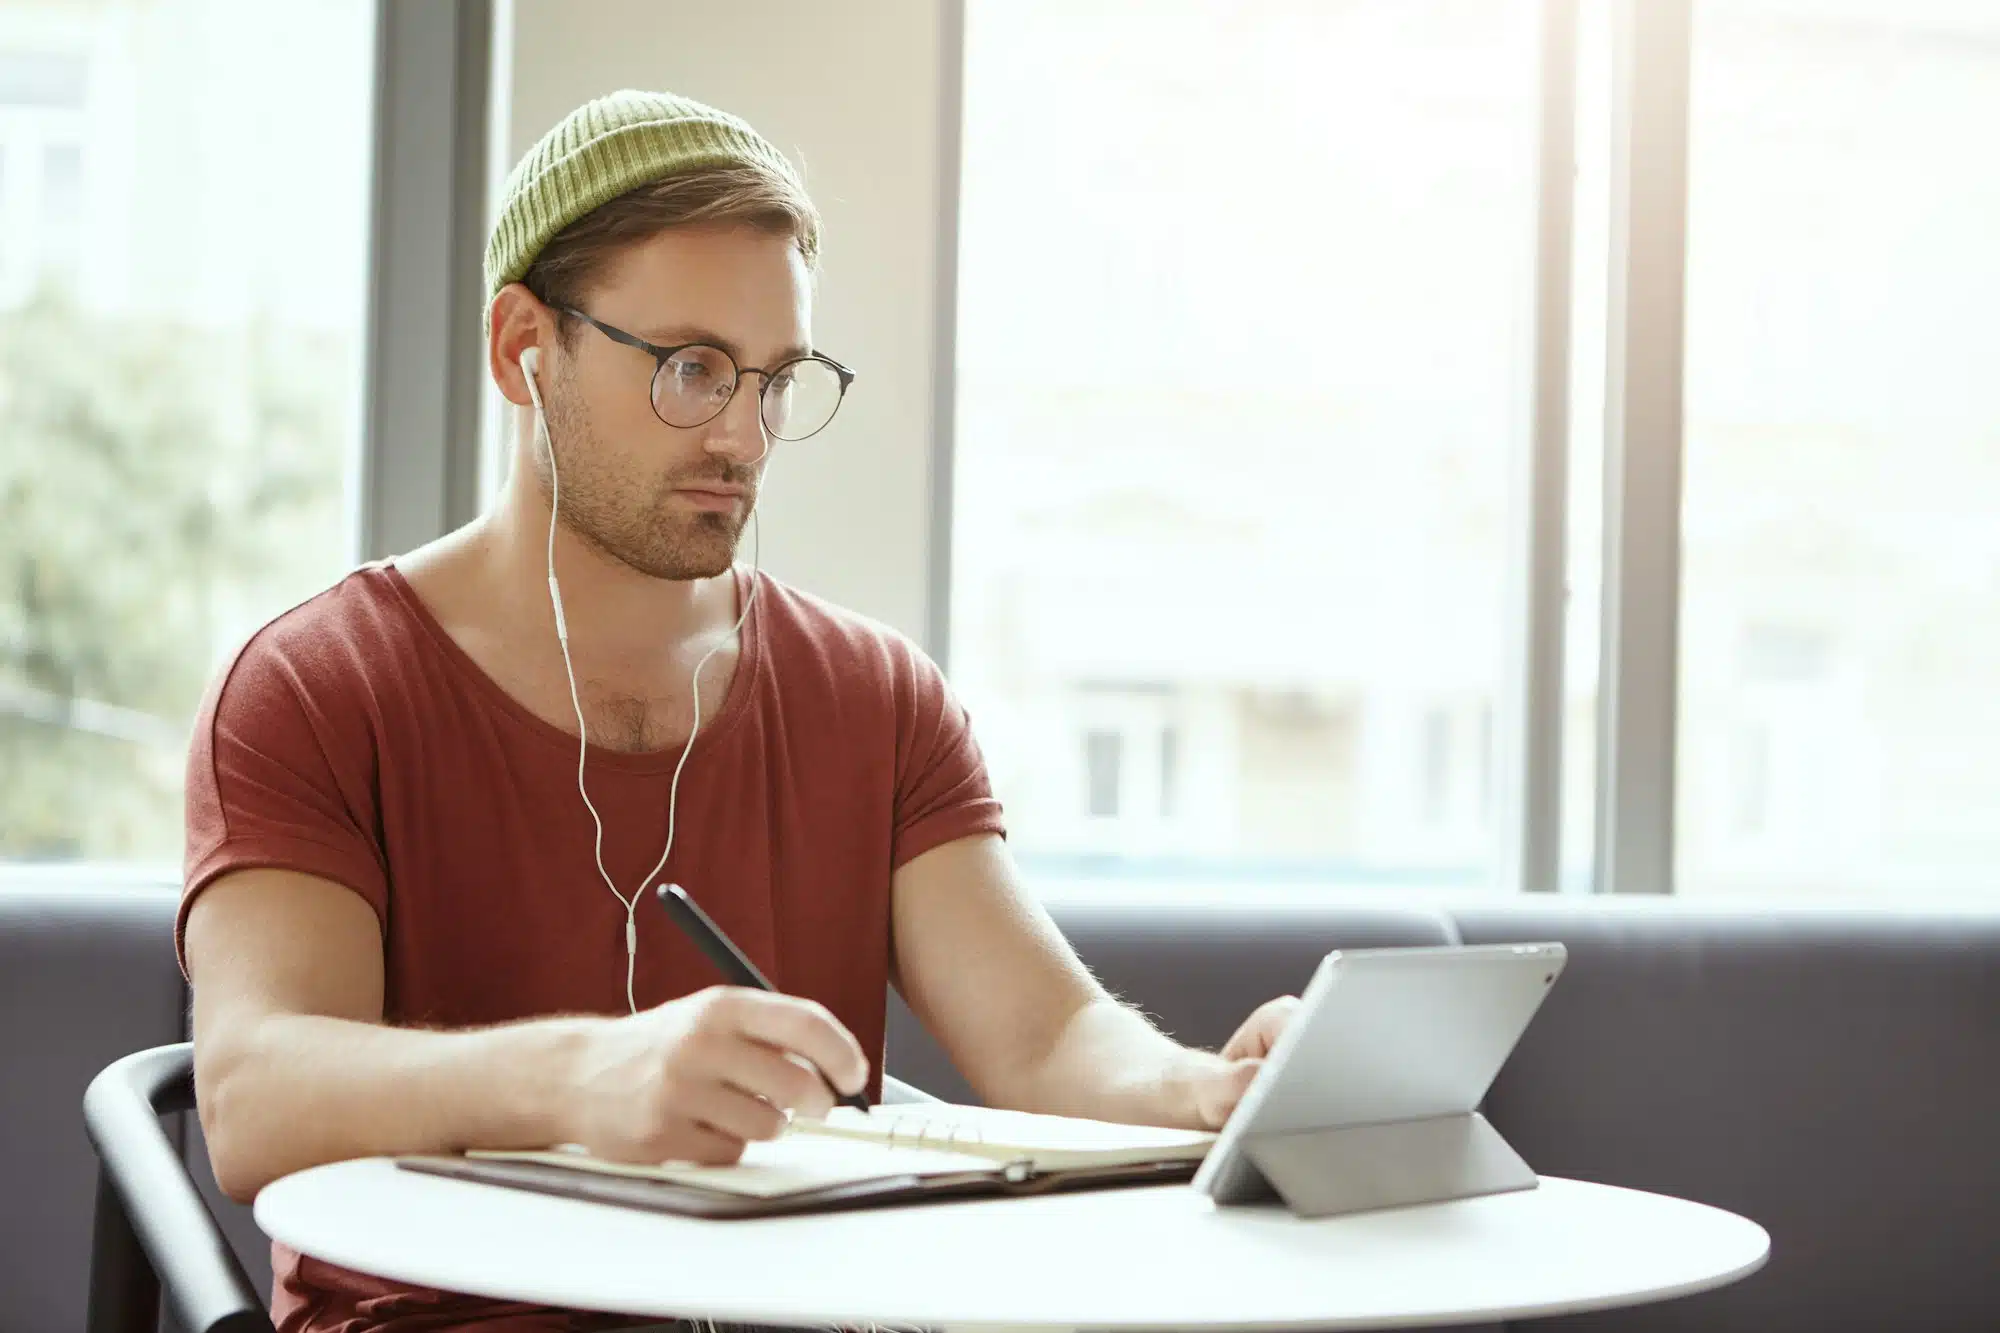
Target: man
x=427 y=808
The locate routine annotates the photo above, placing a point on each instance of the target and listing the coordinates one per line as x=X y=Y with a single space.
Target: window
x=183 y=220
x=1124 y=795
x=1239 y=386
x=41 y=168
x=1841 y=586
x=1103 y=752
x=62 y=212
x=1240 y=374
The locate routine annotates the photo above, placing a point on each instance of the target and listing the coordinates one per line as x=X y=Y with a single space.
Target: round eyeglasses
x=694 y=382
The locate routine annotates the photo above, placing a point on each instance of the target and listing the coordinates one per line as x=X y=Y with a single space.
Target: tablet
x=1383 y=1036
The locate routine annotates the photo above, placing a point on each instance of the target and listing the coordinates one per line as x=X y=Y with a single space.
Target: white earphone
x=530 y=364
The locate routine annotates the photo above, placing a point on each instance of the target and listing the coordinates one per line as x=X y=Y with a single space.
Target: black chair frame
x=153 y=1233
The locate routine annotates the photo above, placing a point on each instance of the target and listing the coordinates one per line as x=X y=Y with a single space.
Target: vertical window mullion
x=1640 y=652
x=419 y=467
x=1532 y=829
x=944 y=345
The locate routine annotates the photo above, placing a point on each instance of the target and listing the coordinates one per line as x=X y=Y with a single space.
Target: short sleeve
x=942 y=790
x=281 y=775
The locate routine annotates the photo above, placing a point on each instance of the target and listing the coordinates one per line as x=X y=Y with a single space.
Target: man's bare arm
x=294 y=1067
x=985 y=969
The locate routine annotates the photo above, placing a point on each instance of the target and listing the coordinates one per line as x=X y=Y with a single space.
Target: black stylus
x=739 y=971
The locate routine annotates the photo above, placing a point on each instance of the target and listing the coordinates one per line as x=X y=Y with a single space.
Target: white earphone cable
x=630 y=904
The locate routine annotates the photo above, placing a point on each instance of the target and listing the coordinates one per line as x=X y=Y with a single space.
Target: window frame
x=1638 y=703
x=419 y=466
x=424 y=359
x=1639 y=650
x=416 y=468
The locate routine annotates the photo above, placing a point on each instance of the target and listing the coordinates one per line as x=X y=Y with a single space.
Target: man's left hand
x=1221 y=1080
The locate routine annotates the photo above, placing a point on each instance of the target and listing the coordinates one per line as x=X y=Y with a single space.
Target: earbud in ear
x=531 y=361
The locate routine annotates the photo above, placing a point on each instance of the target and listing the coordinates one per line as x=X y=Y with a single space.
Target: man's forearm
x=1110 y=1063
x=298 y=1090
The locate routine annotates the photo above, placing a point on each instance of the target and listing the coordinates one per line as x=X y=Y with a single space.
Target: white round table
x=1158 y=1257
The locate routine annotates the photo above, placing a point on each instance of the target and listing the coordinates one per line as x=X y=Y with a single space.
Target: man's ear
x=518 y=326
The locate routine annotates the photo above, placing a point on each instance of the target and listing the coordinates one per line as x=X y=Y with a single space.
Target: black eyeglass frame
x=662 y=355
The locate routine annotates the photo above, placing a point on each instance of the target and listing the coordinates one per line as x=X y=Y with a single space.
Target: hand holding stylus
x=732 y=962
x=697 y=1078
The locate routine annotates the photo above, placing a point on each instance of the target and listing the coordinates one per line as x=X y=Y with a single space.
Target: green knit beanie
x=603 y=149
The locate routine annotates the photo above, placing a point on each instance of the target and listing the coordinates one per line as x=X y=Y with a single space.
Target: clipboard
x=662 y=1196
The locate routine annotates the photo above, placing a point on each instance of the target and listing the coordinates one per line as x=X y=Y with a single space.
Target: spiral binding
x=949 y=1134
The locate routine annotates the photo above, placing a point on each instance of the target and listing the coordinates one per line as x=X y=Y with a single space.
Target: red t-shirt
x=352 y=739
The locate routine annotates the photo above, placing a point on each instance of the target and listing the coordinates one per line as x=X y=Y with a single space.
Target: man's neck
x=625 y=616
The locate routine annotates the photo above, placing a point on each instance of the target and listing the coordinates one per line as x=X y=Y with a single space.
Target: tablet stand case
x=1353 y=1168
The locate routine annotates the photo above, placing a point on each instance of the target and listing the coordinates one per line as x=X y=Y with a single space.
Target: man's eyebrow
x=680 y=335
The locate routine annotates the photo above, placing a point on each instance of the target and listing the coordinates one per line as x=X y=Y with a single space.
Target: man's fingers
x=801 y=1026
x=732 y=1113
x=1261 y=1030
x=696 y=1142
x=784 y=1080
x=1224 y=1089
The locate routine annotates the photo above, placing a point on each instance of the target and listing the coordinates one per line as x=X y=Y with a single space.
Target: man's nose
x=738 y=431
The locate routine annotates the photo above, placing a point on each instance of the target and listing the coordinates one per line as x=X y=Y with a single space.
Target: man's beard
x=658 y=536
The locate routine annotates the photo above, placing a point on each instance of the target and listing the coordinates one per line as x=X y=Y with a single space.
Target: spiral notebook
x=852 y=1159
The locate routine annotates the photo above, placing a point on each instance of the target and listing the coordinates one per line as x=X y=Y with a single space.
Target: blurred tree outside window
x=182 y=240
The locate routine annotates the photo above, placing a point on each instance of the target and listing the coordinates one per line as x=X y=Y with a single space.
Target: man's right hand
x=697 y=1078
x=295 y=1066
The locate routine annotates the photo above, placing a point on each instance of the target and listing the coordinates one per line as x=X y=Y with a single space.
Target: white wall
x=851 y=93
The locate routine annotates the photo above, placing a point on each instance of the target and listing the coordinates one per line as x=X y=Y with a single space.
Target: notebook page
x=785 y=1165
x=1050 y=1142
